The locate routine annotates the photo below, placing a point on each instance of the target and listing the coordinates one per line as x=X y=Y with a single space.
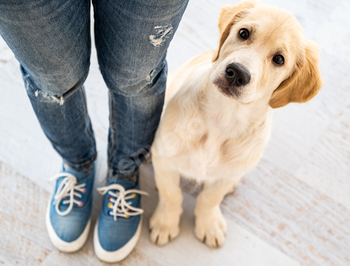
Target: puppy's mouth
x=227 y=89
x=230 y=91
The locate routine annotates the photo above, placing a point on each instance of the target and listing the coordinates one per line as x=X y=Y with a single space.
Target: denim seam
x=88 y=120
x=33 y=89
x=113 y=137
x=132 y=119
x=132 y=138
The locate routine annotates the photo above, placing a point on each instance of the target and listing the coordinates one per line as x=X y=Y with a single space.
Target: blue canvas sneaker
x=69 y=209
x=119 y=224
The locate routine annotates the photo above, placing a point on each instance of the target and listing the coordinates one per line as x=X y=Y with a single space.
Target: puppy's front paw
x=164 y=225
x=210 y=227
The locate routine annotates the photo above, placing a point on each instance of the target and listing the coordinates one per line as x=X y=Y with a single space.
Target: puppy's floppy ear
x=304 y=82
x=227 y=18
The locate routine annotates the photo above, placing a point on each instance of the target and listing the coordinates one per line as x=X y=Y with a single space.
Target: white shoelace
x=68 y=188
x=120 y=206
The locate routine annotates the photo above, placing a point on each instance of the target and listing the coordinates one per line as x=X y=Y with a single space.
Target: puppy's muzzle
x=236 y=75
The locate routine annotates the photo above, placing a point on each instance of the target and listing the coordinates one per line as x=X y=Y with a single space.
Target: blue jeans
x=51 y=40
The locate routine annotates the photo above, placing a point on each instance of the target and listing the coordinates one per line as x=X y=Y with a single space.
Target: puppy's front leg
x=164 y=223
x=210 y=226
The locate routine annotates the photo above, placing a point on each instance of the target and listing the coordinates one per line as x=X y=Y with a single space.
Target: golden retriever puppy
x=217 y=116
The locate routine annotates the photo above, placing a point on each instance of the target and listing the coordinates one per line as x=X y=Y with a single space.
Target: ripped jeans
x=51 y=40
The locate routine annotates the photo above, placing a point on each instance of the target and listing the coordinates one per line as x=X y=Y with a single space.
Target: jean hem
x=86 y=166
x=113 y=174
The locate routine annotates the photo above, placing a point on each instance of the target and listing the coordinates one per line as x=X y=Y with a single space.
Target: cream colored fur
x=216 y=138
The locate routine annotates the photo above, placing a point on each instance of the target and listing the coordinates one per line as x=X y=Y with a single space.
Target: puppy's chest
x=213 y=157
x=203 y=160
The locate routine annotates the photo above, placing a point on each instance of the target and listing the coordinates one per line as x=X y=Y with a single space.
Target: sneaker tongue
x=127 y=184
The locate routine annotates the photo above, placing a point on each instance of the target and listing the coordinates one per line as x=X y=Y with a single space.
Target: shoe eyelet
x=133 y=195
x=83 y=190
x=109 y=198
x=80 y=204
x=127 y=216
x=110 y=205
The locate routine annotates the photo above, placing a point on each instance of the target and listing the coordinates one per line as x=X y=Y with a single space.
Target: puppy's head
x=263 y=53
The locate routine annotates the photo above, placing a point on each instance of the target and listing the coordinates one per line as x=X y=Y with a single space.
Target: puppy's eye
x=278 y=59
x=244 y=34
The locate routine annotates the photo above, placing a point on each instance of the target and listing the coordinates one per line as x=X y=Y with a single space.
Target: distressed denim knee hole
x=147 y=82
x=34 y=91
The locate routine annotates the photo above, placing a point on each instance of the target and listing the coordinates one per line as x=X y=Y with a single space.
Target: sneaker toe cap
x=70 y=227
x=119 y=232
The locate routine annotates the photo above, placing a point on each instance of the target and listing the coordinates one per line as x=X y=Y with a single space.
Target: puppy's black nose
x=237 y=75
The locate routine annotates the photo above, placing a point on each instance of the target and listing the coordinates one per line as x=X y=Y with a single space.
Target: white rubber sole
x=120 y=254
x=64 y=246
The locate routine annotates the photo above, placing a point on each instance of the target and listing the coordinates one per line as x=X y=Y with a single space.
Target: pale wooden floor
x=293 y=209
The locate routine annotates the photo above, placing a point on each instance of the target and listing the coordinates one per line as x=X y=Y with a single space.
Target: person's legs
x=51 y=40
x=132 y=38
